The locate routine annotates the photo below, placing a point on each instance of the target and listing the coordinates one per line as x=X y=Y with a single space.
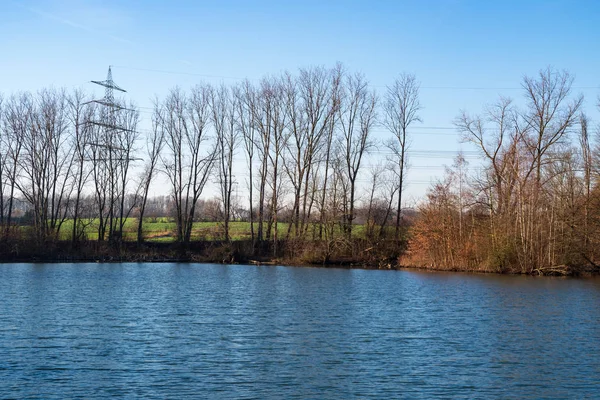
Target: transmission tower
x=109 y=110
x=107 y=153
x=110 y=87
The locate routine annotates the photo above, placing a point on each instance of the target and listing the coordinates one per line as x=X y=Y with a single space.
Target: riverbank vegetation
x=76 y=176
x=535 y=206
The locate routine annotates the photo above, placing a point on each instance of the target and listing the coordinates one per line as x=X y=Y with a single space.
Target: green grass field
x=162 y=230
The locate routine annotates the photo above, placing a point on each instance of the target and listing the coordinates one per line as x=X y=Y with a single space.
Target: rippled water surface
x=213 y=331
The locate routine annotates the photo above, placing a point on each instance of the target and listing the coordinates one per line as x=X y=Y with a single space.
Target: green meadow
x=162 y=229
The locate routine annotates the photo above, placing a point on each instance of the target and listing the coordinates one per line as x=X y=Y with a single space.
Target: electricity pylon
x=108 y=156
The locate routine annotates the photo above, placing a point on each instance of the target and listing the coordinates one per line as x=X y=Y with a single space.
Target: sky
x=464 y=53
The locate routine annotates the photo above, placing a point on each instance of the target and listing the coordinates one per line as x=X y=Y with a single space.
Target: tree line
x=304 y=138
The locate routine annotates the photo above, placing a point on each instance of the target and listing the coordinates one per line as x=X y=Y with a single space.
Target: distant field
x=161 y=230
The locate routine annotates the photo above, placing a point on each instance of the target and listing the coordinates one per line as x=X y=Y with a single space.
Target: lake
x=169 y=330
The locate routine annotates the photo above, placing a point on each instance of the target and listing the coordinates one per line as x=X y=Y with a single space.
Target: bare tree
x=98 y=157
x=548 y=118
x=262 y=120
x=46 y=163
x=126 y=141
x=497 y=138
x=190 y=155
x=401 y=107
x=311 y=105
x=330 y=153
x=279 y=137
x=549 y=115
x=224 y=114
x=337 y=76
x=246 y=103
x=357 y=118
x=154 y=145
x=18 y=115
x=292 y=162
x=79 y=114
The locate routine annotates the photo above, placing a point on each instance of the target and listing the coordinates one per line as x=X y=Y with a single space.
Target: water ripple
x=212 y=331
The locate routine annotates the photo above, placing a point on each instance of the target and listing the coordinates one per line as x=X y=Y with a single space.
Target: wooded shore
x=243 y=252
x=324 y=167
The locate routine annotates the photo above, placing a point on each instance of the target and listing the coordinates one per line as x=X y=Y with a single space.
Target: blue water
x=213 y=331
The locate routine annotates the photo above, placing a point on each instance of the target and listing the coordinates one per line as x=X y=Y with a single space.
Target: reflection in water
x=193 y=330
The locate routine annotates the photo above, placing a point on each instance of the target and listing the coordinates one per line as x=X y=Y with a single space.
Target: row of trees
x=53 y=147
x=304 y=138
x=534 y=207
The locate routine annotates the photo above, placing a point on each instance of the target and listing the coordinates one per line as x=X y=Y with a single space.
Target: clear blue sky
x=450 y=45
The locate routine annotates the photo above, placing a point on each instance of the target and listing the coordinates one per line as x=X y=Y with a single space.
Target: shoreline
x=573 y=273
x=241 y=253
